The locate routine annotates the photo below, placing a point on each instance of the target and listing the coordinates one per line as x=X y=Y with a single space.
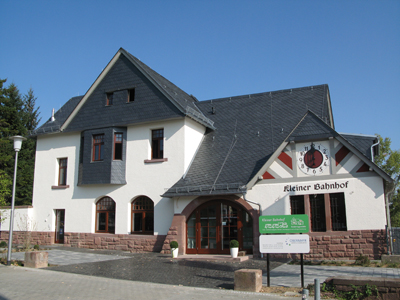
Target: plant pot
x=174 y=252
x=234 y=252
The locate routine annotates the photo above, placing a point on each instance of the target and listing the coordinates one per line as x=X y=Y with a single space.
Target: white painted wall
x=23 y=219
x=181 y=140
x=364 y=199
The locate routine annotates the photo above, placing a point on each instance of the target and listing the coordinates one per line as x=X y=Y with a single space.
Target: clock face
x=313 y=158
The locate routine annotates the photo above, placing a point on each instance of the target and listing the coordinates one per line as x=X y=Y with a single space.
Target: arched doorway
x=214 y=224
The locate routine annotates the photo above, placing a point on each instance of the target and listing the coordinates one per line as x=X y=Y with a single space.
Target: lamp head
x=17 y=142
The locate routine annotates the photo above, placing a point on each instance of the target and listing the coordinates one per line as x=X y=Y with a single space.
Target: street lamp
x=17 y=146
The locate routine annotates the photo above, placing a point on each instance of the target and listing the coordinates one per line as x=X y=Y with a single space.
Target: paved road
x=116 y=274
x=24 y=283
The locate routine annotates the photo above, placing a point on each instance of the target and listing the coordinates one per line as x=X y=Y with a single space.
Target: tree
x=389 y=161
x=18 y=115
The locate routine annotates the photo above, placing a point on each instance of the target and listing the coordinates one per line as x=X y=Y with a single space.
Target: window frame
x=118 y=141
x=107 y=212
x=109 y=98
x=100 y=144
x=330 y=210
x=157 y=144
x=131 y=95
x=148 y=210
x=62 y=168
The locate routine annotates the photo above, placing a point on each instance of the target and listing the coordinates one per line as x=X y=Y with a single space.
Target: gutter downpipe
x=255 y=203
x=372 y=152
x=389 y=223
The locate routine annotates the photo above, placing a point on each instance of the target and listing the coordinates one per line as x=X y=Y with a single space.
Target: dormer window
x=131 y=95
x=110 y=99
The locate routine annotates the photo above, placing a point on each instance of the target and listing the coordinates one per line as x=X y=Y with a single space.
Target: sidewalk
x=290 y=275
x=24 y=283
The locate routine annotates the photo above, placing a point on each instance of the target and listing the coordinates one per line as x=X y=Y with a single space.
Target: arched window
x=105 y=215
x=142 y=216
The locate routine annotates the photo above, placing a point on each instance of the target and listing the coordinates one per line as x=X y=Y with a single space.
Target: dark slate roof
x=310 y=128
x=362 y=142
x=249 y=130
x=186 y=103
x=60 y=117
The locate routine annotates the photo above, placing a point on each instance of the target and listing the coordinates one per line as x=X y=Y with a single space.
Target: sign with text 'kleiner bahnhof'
x=284 y=224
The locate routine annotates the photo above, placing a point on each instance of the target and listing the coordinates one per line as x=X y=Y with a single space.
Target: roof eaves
x=365 y=159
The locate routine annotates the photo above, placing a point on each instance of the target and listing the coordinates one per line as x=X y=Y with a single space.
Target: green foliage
x=36 y=247
x=389 y=161
x=362 y=260
x=173 y=245
x=233 y=244
x=3 y=244
x=5 y=187
x=18 y=116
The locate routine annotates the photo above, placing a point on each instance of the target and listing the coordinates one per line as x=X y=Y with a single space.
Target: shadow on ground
x=157 y=268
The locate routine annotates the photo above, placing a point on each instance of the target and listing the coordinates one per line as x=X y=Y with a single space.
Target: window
x=338 y=212
x=327 y=211
x=110 y=98
x=297 y=205
x=98 y=147
x=105 y=215
x=317 y=206
x=143 y=216
x=62 y=171
x=131 y=95
x=157 y=144
x=118 y=146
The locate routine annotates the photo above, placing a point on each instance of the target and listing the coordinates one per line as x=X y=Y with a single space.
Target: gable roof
x=249 y=130
x=184 y=102
x=311 y=127
x=181 y=101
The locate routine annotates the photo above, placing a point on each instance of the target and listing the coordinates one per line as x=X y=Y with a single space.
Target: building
x=137 y=162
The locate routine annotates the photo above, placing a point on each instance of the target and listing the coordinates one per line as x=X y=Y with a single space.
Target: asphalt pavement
x=86 y=274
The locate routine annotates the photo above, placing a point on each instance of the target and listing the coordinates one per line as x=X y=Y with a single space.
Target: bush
x=362 y=260
x=36 y=247
x=3 y=244
x=173 y=245
x=234 y=244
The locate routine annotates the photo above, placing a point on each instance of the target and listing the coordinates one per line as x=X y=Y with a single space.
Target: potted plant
x=174 y=249
x=234 y=246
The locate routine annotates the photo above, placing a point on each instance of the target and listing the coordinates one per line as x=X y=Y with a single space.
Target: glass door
x=229 y=226
x=208 y=230
x=212 y=226
x=60 y=225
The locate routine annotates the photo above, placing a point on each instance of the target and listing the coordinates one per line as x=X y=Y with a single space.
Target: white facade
x=181 y=137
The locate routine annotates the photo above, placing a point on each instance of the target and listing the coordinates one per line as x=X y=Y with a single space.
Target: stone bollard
x=36 y=259
x=248 y=280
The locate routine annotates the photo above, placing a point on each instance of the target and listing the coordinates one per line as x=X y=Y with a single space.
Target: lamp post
x=17 y=146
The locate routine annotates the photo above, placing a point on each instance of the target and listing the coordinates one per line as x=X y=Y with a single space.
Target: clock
x=312 y=159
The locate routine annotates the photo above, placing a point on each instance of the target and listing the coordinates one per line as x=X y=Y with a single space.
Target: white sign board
x=285 y=243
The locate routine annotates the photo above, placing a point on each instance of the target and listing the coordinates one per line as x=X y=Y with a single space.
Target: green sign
x=284 y=224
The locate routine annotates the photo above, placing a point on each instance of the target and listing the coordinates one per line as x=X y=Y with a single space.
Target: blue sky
x=214 y=49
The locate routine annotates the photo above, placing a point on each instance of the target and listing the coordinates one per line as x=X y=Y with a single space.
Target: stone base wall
x=176 y=232
x=36 y=237
x=344 y=246
x=124 y=242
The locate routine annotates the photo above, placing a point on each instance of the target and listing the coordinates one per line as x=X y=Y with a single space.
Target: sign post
x=282 y=242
